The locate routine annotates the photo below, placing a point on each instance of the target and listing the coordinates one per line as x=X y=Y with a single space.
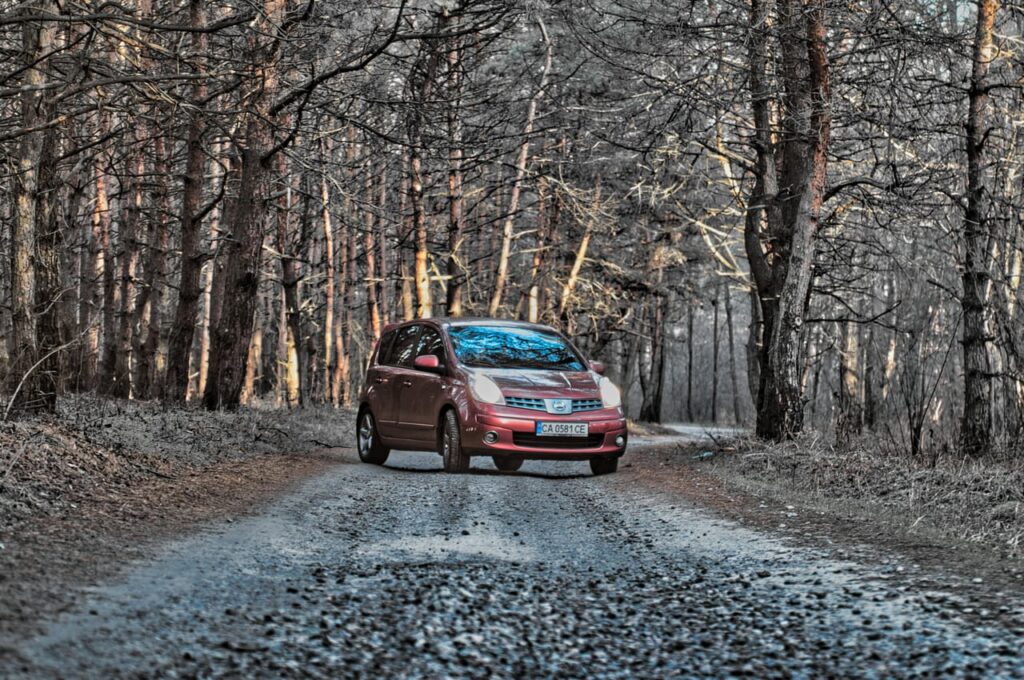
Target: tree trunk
x=241 y=254
x=32 y=392
x=255 y=359
x=370 y=257
x=507 y=231
x=179 y=344
x=403 y=287
x=330 y=361
x=714 y=358
x=108 y=355
x=245 y=223
x=290 y=277
x=456 y=221
x=650 y=410
x=689 y=362
x=976 y=428
x=577 y=264
x=119 y=383
x=89 y=298
x=383 y=251
x=421 y=277
x=733 y=377
x=421 y=83
x=150 y=298
x=783 y=279
x=533 y=294
x=851 y=390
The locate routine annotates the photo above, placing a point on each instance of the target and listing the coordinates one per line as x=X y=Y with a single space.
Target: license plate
x=549 y=429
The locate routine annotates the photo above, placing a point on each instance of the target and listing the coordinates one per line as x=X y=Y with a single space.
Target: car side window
x=384 y=348
x=431 y=343
x=403 y=351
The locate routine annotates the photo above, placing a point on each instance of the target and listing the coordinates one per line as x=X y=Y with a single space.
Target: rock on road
x=404 y=571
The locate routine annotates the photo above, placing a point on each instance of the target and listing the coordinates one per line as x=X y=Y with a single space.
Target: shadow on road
x=486 y=472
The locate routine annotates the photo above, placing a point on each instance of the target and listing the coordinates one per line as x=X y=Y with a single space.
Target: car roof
x=471 y=321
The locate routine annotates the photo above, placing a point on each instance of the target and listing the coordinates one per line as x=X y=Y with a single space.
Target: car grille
x=534 y=404
x=586 y=405
x=525 y=402
x=530 y=439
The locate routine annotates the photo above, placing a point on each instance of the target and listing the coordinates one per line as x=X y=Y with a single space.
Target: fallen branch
x=21 y=383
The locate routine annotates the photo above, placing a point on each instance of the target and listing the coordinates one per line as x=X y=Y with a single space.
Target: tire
x=507 y=463
x=455 y=457
x=368 y=441
x=604 y=466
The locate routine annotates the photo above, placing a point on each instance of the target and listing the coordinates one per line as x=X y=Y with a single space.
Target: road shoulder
x=104 y=483
x=975 y=579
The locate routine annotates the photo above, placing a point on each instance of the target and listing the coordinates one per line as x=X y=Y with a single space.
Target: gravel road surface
x=404 y=571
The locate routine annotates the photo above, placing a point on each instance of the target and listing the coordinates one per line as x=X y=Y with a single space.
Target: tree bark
x=32 y=390
x=383 y=251
x=689 y=362
x=179 y=345
x=241 y=254
x=714 y=358
x=290 y=277
x=851 y=389
x=533 y=294
x=150 y=298
x=650 y=409
x=108 y=355
x=782 y=274
x=421 y=83
x=456 y=220
x=245 y=223
x=734 y=379
x=577 y=264
x=119 y=382
x=976 y=426
x=330 y=361
x=370 y=257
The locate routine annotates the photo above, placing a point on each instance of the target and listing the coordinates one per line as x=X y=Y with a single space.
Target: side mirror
x=597 y=367
x=428 y=362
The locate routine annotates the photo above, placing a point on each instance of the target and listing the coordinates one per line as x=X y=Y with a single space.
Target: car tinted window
x=384 y=348
x=431 y=343
x=513 y=347
x=403 y=351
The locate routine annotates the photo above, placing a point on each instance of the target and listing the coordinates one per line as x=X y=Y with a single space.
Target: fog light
x=620 y=441
x=490 y=437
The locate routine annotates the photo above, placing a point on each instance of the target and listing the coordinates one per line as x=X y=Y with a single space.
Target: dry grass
x=977 y=501
x=93 y=446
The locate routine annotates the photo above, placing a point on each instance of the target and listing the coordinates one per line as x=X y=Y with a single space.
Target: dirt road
x=404 y=571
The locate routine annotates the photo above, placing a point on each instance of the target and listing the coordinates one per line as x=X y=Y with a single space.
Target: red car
x=474 y=387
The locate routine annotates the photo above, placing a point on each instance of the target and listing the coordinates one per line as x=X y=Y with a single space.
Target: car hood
x=541 y=383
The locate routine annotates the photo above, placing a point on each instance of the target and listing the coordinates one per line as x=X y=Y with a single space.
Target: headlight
x=610 y=395
x=486 y=390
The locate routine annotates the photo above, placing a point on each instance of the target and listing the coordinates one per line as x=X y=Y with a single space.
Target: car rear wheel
x=368 y=441
x=507 y=464
x=455 y=457
x=604 y=466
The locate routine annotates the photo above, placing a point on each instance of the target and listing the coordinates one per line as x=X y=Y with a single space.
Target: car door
x=387 y=375
x=421 y=392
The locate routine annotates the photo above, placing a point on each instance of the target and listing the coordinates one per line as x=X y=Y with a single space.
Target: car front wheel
x=604 y=466
x=507 y=464
x=455 y=457
x=370 y=448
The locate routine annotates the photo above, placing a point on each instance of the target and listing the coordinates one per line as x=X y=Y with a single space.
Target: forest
x=790 y=215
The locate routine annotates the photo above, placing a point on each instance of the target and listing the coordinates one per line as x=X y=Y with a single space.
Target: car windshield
x=512 y=347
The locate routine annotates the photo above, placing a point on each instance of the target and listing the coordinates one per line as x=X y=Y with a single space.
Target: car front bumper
x=515 y=434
